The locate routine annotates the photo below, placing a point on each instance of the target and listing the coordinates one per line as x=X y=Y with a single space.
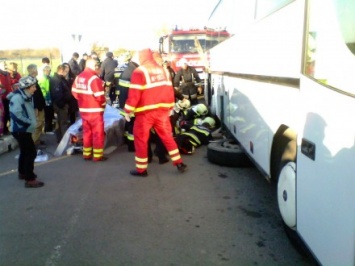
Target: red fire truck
x=193 y=45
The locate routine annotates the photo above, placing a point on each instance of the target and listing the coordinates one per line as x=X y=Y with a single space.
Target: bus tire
x=227 y=153
x=286 y=199
x=286 y=193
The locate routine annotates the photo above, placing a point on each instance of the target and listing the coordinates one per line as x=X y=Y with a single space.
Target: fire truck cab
x=193 y=45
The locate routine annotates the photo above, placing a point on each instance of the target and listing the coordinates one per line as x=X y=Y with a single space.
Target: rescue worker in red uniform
x=151 y=98
x=88 y=89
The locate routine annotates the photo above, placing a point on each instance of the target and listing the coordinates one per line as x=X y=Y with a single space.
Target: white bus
x=284 y=87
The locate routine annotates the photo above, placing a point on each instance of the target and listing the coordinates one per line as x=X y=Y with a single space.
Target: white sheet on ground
x=114 y=129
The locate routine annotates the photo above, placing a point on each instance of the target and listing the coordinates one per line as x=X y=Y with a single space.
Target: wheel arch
x=283 y=149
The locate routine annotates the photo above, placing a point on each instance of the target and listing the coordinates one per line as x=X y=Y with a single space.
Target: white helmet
x=200 y=109
x=185 y=104
x=210 y=121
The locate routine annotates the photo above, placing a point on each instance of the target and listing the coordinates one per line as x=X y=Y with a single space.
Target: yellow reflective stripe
x=141 y=166
x=193 y=143
x=173 y=151
x=154 y=106
x=150 y=85
x=194 y=137
x=175 y=158
x=124 y=83
x=98 y=150
x=130 y=137
x=141 y=160
x=200 y=130
x=91 y=110
x=87 y=151
x=99 y=93
x=128 y=107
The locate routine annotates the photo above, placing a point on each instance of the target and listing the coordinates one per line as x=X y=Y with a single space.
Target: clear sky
x=129 y=24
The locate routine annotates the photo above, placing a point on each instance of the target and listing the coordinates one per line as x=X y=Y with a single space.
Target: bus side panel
x=326 y=184
x=253 y=112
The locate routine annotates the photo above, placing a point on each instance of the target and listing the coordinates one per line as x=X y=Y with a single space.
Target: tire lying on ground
x=227 y=153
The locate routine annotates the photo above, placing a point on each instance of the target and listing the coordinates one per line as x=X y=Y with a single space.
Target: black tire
x=227 y=153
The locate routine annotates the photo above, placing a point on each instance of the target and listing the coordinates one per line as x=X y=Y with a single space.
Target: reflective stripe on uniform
x=194 y=138
x=91 y=110
x=124 y=83
x=153 y=106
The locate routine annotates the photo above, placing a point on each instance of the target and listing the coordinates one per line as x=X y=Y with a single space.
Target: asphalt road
x=97 y=214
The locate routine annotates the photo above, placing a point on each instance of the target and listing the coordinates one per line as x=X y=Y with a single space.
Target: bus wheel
x=227 y=153
x=286 y=194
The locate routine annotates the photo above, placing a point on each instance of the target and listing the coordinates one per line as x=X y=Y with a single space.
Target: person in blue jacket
x=22 y=125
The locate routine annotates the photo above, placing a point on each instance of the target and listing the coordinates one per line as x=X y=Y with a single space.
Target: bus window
x=330 y=47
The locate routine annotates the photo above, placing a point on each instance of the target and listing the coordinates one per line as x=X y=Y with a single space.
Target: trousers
x=93 y=136
x=158 y=119
x=28 y=154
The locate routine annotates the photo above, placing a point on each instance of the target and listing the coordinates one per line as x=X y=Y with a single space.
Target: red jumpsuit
x=151 y=97
x=88 y=89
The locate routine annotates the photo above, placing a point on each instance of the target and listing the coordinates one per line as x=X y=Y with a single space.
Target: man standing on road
x=185 y=78
x=150 y=98
x=60 y=95
x=107 y=71
x=39 y=103
x=88 y=89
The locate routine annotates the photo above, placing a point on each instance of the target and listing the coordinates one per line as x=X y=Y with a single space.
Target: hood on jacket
x=21 y=92
x=140 y=57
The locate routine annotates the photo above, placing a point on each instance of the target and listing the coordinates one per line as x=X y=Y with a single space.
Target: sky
x=129 y=24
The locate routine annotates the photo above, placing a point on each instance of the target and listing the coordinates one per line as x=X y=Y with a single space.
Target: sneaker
x=34 y=184
x=163 y=160
x=102 y=159
x=181 y=167
x=136 y=173
x=87 y=159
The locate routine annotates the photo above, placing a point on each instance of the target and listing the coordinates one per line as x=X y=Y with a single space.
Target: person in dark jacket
x=73 y=104
x=23 y=124
x=73 y=62
x=107 y=68
x=60 y=94
x=82 y=62
x=107 y=72
x=39 y=104
x=185 y=79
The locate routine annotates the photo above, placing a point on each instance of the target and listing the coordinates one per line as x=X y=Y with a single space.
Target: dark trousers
x=48 y=118
x=159 y=150
x=28 y=154
x=62 y=121
x=6 y=103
